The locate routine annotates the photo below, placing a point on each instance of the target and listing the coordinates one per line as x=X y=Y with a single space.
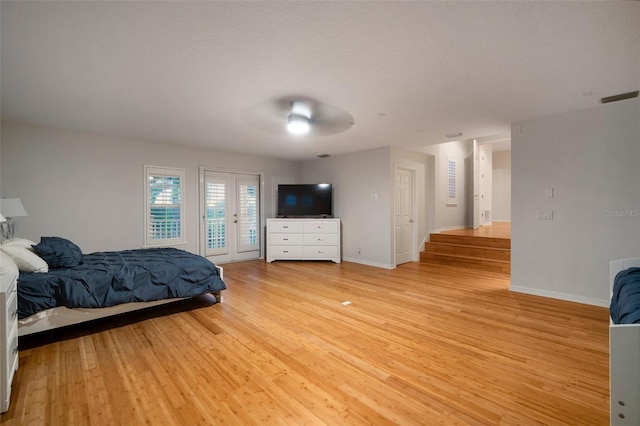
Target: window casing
x=164 y=206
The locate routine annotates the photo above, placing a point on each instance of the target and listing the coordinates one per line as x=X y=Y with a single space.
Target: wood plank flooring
x=495 y=230
x=419 y=345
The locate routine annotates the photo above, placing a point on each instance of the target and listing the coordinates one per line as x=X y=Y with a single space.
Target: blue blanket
x=625 y=300
x=111 y=278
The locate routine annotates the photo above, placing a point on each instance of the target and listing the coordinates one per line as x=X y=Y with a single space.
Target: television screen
x=305 y=200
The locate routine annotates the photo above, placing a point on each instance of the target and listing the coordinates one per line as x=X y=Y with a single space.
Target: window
x=164 y=206
x=216 y=215
x=451 y=181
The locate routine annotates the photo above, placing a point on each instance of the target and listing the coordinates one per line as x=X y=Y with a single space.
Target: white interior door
x=476 y=185
x=230 y=217
x=404 y=222
x=486 y=154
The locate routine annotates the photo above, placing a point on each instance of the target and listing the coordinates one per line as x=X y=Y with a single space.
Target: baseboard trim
x=368 y=263
x=561 y=296
x=449 y=228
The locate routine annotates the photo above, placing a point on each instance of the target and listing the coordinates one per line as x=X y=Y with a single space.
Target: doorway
x=229 y=216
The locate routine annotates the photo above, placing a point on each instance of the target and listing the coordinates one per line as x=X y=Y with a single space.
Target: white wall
x=90 y=189
x=366 y=219
x=450 y=216
x=501 y=186
x=592 y=160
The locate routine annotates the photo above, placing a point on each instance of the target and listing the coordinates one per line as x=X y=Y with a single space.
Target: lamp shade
x=2 y=219
x=12 y=207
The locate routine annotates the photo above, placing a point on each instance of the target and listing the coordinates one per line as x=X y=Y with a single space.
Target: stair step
x=467 y=251
x=467 y=262
x=468 y=240
x=473 y=251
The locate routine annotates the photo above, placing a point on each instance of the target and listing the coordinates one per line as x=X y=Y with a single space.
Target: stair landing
x=487 y=248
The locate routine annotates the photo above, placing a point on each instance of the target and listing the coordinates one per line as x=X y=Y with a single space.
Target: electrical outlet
x=544 y=215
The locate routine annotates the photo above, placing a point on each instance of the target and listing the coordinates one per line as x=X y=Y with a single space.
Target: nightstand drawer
x=11 y=311
x=12 y=356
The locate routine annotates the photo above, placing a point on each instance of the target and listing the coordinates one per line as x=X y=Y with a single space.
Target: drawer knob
x=285 y=251
x=285 y=239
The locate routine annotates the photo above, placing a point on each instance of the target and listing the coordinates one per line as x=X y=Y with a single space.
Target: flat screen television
x=305 y=200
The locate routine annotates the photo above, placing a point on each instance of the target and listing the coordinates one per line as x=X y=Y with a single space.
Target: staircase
x=484 y=253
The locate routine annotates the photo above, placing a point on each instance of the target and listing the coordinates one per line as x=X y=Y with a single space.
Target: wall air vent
x=620 y=97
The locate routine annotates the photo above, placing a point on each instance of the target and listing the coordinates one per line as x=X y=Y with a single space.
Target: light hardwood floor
x=421 y=344
x=495 y=230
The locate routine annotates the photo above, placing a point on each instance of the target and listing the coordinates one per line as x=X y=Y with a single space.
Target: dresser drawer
x=286 y=239
x=320 y=239
x=321 y=226
x=320 y=252
x=285 y=252
x=286 y=226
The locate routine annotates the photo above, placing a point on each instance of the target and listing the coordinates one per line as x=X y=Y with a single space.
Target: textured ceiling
x=407 y=72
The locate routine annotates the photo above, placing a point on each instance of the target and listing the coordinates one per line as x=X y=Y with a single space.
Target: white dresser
x=303 y=239
x=9 y=337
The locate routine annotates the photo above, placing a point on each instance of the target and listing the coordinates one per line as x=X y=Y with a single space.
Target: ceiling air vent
x=620 y=97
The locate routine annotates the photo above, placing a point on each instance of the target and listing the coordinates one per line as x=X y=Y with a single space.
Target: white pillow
x=20 y=242
x=27 y=261
x=8 y=268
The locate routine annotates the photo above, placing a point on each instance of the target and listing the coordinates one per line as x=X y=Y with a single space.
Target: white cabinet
x=9 y=339
x=303 y=239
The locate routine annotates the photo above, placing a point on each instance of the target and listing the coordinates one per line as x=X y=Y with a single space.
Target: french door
x=230 y=216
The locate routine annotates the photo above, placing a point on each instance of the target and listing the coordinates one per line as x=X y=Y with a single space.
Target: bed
x=624 y=342
x=61 y=286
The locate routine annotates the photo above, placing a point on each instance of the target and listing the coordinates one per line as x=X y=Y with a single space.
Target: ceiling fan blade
x=271 y=116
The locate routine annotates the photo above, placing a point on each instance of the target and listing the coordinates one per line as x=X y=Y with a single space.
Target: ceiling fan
x=298 y=115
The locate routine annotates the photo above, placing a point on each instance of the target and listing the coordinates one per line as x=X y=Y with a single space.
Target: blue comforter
x=625 y=300
x=111 y=278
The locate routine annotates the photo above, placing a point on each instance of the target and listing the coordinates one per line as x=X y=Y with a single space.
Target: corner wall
x=451 y=216
x=362 y=199
x=592 y=161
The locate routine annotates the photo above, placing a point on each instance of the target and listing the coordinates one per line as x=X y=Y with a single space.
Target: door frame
x=414 y=203
x=201 y=205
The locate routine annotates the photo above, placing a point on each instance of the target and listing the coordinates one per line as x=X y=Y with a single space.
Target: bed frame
x=624 y=362
x=62 y=316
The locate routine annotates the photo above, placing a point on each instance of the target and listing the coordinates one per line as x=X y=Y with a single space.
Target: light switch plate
x=544 y=215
